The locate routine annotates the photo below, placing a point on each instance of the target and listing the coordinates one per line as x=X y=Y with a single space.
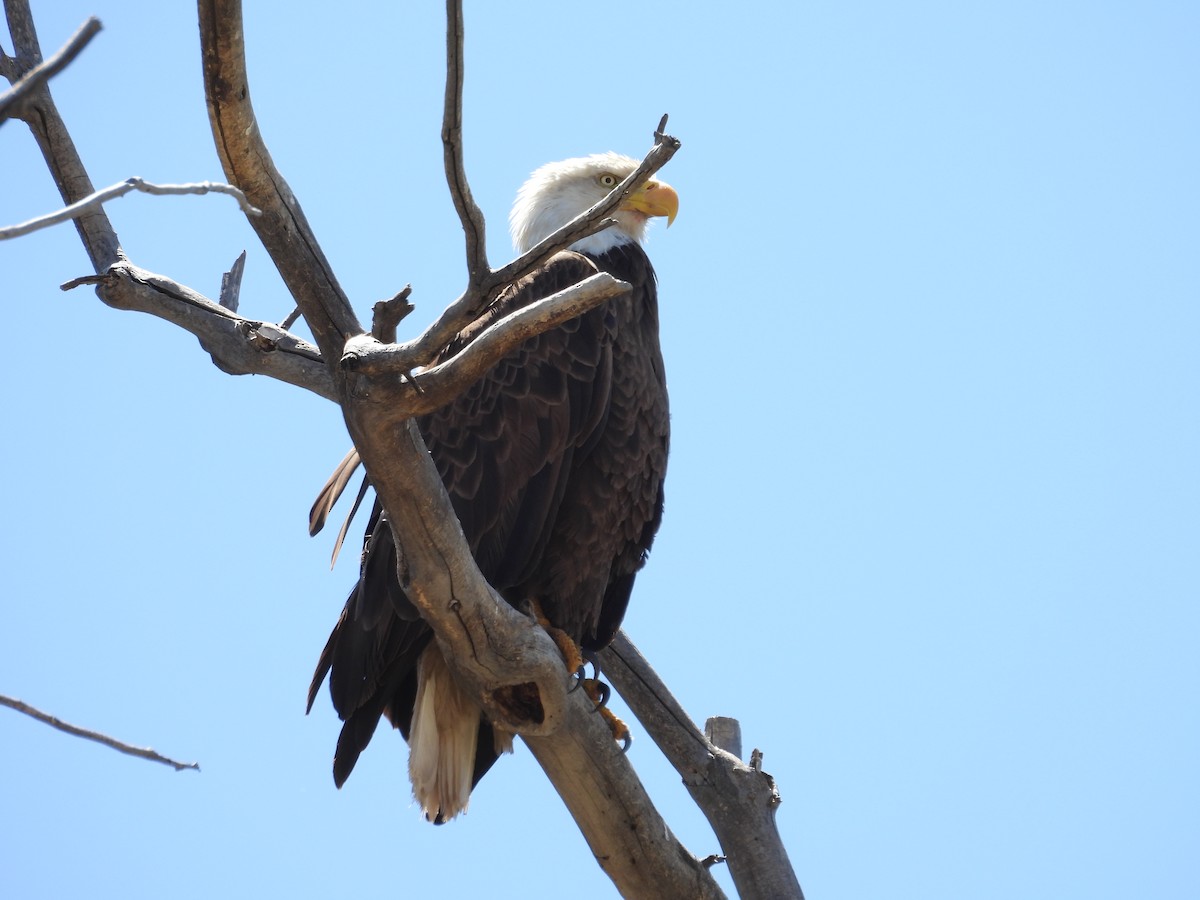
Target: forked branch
x=237 y=345
x=25 y=86
x=58 y=150
x=282 y=228
x=739 y=800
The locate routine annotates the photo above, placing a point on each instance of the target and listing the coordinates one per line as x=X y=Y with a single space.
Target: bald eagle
x=554 y=462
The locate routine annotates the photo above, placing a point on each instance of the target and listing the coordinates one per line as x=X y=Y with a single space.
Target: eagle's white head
x=558 y=192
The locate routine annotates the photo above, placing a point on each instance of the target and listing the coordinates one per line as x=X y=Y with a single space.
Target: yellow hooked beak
x=654 y=198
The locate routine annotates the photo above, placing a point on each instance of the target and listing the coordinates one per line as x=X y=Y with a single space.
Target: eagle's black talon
x=580 y=678
x=599 y=692
x=589 y=656
x=626 y=742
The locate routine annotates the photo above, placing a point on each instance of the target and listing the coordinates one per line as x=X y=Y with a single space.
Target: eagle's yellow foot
x=620 y=731
x=571 y=654
x=576 y=660
x=599 y=692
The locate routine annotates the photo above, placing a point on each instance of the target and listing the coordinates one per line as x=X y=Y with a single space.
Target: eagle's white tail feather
x=443 y=738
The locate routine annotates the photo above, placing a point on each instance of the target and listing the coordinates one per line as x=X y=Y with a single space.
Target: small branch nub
x=387 y=314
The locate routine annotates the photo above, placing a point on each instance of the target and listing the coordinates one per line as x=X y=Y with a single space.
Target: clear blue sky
x=931 y=311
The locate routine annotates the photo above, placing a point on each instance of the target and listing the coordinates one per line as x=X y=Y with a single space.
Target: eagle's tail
x=443 y=740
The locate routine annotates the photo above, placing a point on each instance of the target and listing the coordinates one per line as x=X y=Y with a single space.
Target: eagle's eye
x=608 y=180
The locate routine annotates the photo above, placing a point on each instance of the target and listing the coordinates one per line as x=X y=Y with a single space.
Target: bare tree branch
x=58 y=150
x=98 y=198
x=238 y=346
x=11 y=100
x=469 y=214
x=738 y=800
x=282 y=227
x=433 y=388
x=628 y=837
x=54 y=722
x=386 y=315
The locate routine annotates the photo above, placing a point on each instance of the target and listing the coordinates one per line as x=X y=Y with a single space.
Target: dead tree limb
x=469 y=214
x=738 y=800
x=120 y=189
x=237 y=345
x=88 y=734
x=58 y=150
x=41 y=73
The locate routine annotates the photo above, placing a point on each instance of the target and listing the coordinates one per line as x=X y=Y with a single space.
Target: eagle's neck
x=602 y=242
x=534 y=222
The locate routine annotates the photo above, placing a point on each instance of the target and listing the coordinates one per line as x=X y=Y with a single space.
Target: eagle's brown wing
x=504 y=450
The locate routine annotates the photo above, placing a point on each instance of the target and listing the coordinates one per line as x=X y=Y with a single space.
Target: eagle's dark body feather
x=554 y=462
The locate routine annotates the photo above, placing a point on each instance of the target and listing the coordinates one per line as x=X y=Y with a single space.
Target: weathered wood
x=37 y=110
x=41 y=73
x=724 y=732
x=738 y=800
x=630 y=840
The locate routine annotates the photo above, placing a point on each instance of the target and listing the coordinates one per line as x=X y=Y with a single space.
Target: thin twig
x=452 y=149
x=291 y=319
x=94 y=200
x=54 y=722
x=10 y=101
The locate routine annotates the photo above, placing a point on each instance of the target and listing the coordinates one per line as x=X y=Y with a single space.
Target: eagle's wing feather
x=505 y=447
x=332 y=490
